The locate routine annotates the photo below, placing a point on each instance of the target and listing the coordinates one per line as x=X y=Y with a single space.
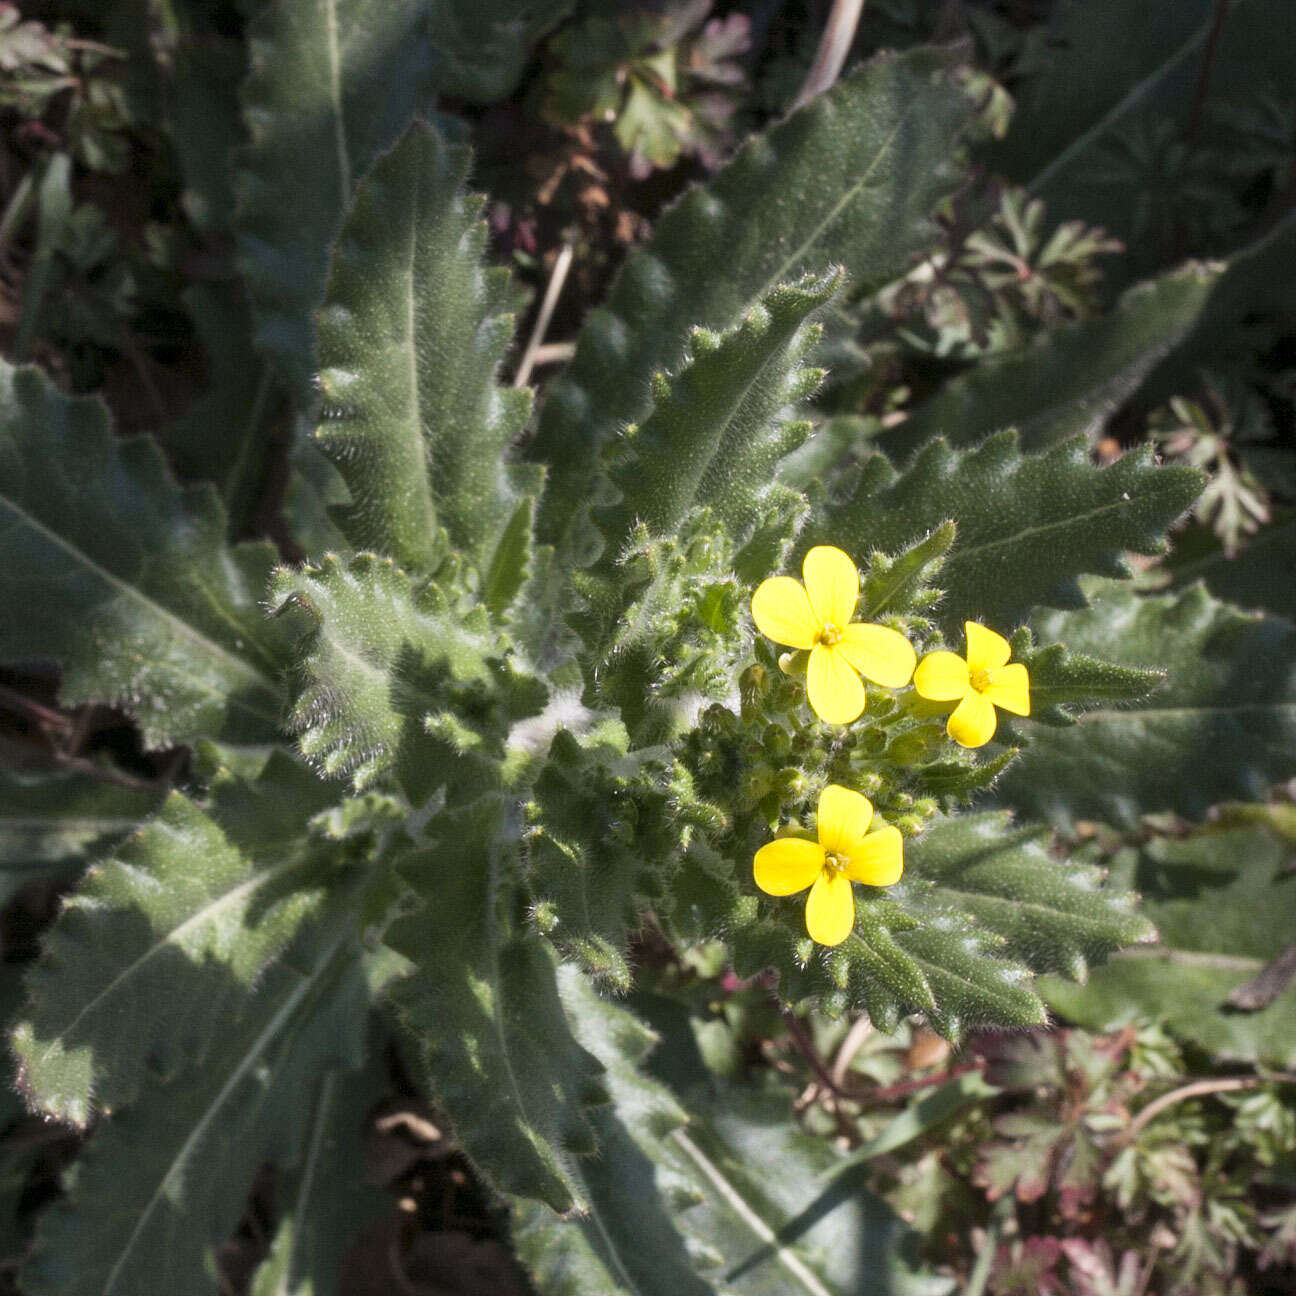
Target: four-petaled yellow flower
x=817 y=616
x=980 y=683
x=842 y=855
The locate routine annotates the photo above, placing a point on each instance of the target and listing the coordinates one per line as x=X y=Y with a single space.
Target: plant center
x=829 y=634
x=834 y=862
x=981 y=680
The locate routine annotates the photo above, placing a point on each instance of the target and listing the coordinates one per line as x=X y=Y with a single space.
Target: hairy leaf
x=1070 y=380
x=125 y=579
x=1028 y=525
x=51 y=823
x=411 y=334
x=482 y=1011
x=483 y=44
x=1222 y=726
x=383 y=656
x=713 y=436
x=850 y=179
x=1222 y=902
x=1257 y=577
x=1064 y=683
x=162 y=1184
x=165 y=943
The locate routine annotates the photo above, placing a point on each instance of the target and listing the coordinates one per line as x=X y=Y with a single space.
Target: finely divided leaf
x=487 y=1029
x=1222 y=726
x=1028 y=525
x=164 y=944
x=125 y=579
x=848 y=180
x=162 y=1184
x=411 y=335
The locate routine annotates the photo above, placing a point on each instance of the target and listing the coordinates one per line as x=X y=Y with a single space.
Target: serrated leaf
x=382 y=655
x=1028 y=525
x=713 y=437
x=482 y=1012
x=850 y=179
x=1069 y=380
x=163 y=1183
x=1223 y=725
x=889 y=584
x=1064 y=683
x=125 y=579
x=333 y=85
x=1051 y=917
x=51 y=823
x=1222 y=903
x=224 y=437
x=720 y=1195
x=166 y=942
x=411 y=335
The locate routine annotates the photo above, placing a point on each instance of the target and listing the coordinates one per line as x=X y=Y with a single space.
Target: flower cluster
x=816 y=615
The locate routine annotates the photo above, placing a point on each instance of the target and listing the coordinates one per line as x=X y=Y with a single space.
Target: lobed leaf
x=486 y=1026
x=412 y=332
x=125 y=579
x=848 y=180
x=1028 y=525
x=162 y=1184
x=1064 y=683
x=164 y=943
x=1222 y=726
x=1222 y=902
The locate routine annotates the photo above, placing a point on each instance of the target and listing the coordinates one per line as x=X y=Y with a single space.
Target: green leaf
x=1028 y=525
x=124 y=578
x=1063 y=683
x=382 y=655
x=890 y=584
x=165 y=943
x=486 y=1026
x=1222 y=902
x=726 y=1182
x=51 y=823
x=1069 y=380
x=1256 y=577
x=333 y=83
x=850 y=179
x=411 y=335
x=1052 y=917
x=1223 y=725
x=163 y=1183
x=713 y=437
x=224 y=436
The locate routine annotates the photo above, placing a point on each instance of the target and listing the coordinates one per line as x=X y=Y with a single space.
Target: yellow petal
x=941 y=677
x=1009 y=688
x=985 y=649
x=843 y=819
x=782 y=612
x=787 y=865
x=834 y=689
x=832 y=583
x=879 y=654
x=879 y=859
x=830 y=911
x=973 y=721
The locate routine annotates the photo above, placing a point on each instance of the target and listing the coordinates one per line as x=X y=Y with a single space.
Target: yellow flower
x=817 y=616
x=980 y=683
x=842 y=855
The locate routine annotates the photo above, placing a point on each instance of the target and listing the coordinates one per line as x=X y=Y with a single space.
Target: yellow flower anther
x=985 y=679
x=846 y=852
x=817 y=616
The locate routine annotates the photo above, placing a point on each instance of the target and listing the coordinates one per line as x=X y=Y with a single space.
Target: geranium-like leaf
x=1222 y=726
x=848 y=180
x=1028 y=525
x=487 y=1028
x=166 y=942
x=411 y=334
x=162 y=1184
x=125 y=579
